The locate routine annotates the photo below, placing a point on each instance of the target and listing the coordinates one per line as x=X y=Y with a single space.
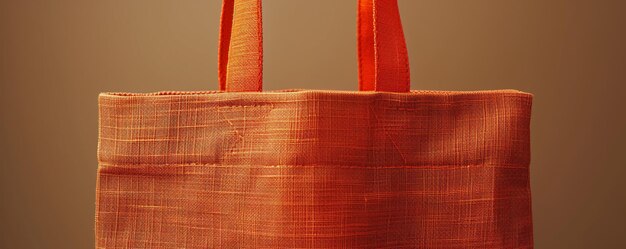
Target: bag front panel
x=314 y=169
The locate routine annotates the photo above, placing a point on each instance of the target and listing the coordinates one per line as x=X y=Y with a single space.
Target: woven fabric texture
x=314 y=169
x=382 y=55
x=380 y=168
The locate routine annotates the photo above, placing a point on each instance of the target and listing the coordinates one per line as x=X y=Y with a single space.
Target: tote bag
x=383 y=167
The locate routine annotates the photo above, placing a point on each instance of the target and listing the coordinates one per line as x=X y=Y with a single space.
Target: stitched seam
x=433 y=166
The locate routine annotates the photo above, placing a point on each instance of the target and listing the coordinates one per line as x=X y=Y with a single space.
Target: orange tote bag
x=382 y=167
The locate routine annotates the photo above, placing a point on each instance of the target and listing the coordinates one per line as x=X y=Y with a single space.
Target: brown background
x=56 y=56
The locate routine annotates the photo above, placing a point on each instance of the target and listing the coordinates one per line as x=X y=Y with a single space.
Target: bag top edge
x=288 y=91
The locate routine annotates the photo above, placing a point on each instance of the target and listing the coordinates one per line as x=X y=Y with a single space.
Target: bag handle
x=382 y=54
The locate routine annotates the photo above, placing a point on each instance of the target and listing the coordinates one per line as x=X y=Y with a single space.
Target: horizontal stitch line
x=189 y=102
x=276 y=101
x=106 y=164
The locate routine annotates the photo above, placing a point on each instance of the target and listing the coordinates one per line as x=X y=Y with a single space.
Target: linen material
x=314 y=169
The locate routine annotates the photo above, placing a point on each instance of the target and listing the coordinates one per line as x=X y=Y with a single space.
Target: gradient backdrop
x=56 y=56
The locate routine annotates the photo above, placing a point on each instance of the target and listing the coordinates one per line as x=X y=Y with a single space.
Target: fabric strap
x=382 y=54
